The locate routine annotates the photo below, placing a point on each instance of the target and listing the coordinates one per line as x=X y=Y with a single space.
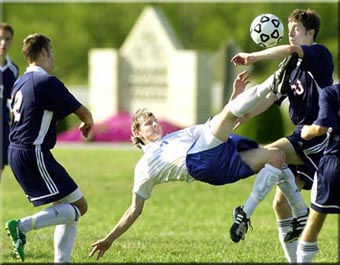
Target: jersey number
x=17 y=106
x=298 y=88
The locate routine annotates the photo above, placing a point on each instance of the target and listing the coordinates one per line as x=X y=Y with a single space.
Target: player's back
x=38 y=101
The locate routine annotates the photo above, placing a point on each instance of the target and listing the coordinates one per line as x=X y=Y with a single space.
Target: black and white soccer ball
x=266 y=30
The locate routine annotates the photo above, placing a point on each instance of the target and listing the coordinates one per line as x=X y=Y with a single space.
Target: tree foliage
x=77 y=27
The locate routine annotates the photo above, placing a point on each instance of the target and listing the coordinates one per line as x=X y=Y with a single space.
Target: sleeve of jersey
x=328 y=105
x=142 y=184
x=60 y=100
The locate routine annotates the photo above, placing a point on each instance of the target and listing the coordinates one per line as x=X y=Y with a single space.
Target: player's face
x=5 y=41
x=298 y=35
x=150 y=130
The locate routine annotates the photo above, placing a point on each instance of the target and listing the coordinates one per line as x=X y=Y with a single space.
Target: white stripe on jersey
x=44 y=174
x=45 y=124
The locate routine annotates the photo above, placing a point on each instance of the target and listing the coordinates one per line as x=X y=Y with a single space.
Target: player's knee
x=83 y=208
x=81 y=205
x=276 y=158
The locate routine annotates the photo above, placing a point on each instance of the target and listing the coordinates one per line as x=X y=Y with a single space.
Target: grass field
x=180 y=223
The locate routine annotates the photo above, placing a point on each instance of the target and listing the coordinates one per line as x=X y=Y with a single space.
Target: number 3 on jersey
x=17 y=106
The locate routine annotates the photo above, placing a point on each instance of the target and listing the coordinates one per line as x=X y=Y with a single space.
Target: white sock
x=248 y=100
x=57 y=214
x=289 y=249
x=265 y=180
x=306 y=251
x=290 y=190
x=64 y=237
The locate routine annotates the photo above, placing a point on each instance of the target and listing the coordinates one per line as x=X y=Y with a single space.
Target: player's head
x=6 y=36
x=145 y=128
x=308 y=18
x=37 y=48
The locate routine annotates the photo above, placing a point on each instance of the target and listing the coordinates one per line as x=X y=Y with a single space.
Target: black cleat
x=240 y=226
x=282 y=74
x=297 y=225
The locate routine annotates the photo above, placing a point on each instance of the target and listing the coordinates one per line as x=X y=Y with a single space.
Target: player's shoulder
x=43 y=78
x=317 y=47
x=332 y=90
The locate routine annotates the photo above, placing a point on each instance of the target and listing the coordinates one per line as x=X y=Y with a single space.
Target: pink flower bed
x=114 y=129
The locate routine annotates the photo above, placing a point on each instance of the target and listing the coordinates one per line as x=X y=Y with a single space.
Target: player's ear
x=137 y=133
x=44 y=52
x=311 y=33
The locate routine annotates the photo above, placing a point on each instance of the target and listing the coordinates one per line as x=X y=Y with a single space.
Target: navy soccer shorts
x=310 y=151
x=41 y=177
x=216 y=162
x=326 y=187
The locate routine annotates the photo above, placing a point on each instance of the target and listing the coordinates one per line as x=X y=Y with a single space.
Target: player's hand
x=101 y=246
x=240 y=83
x=85 y=129
x=241 y=59
x=305 y=132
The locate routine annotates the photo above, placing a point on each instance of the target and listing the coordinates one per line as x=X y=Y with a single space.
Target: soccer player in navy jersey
x=206 y=152
x=39 y=100
x=313 y=72
x=326 y=187
x=8 y=74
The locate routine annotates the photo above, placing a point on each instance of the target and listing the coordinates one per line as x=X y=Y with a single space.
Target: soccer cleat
x=282 y=74
x=297 y=226
x=240 y=226
x=17 y=237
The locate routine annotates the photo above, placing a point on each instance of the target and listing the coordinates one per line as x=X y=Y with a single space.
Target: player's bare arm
x=125 y=222
x=277 y=52
x=87 y=121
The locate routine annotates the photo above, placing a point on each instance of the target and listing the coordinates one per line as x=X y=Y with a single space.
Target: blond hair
x=137 y=119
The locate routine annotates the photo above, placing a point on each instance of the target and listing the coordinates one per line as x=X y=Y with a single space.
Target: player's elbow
x=296 y=49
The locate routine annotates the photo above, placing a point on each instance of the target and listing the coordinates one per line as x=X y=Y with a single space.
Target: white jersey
x=165 y=160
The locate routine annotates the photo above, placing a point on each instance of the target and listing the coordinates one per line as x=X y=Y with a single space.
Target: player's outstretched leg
x=240 y=226
x=17 y=237
x=282 y=74
x=297 y=225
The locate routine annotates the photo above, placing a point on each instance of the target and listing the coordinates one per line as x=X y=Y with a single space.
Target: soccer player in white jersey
x=8 y=74
x=39 y=100
x=190 y=154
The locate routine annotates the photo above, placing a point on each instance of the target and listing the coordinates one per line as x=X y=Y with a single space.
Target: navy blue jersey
x=329 y=116
x=314 y=72
x=39 y=100
x=8 y=75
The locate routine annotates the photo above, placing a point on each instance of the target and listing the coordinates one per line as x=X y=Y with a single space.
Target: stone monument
x=151 y=70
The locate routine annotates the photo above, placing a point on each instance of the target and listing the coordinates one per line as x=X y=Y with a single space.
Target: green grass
x=180 y=223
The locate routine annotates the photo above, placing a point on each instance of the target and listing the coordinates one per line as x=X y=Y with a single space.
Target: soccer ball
x=266 y=30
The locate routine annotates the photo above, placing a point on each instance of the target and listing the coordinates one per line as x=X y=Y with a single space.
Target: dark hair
x=6 y=26
x=310 y=19
x=33 y=44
